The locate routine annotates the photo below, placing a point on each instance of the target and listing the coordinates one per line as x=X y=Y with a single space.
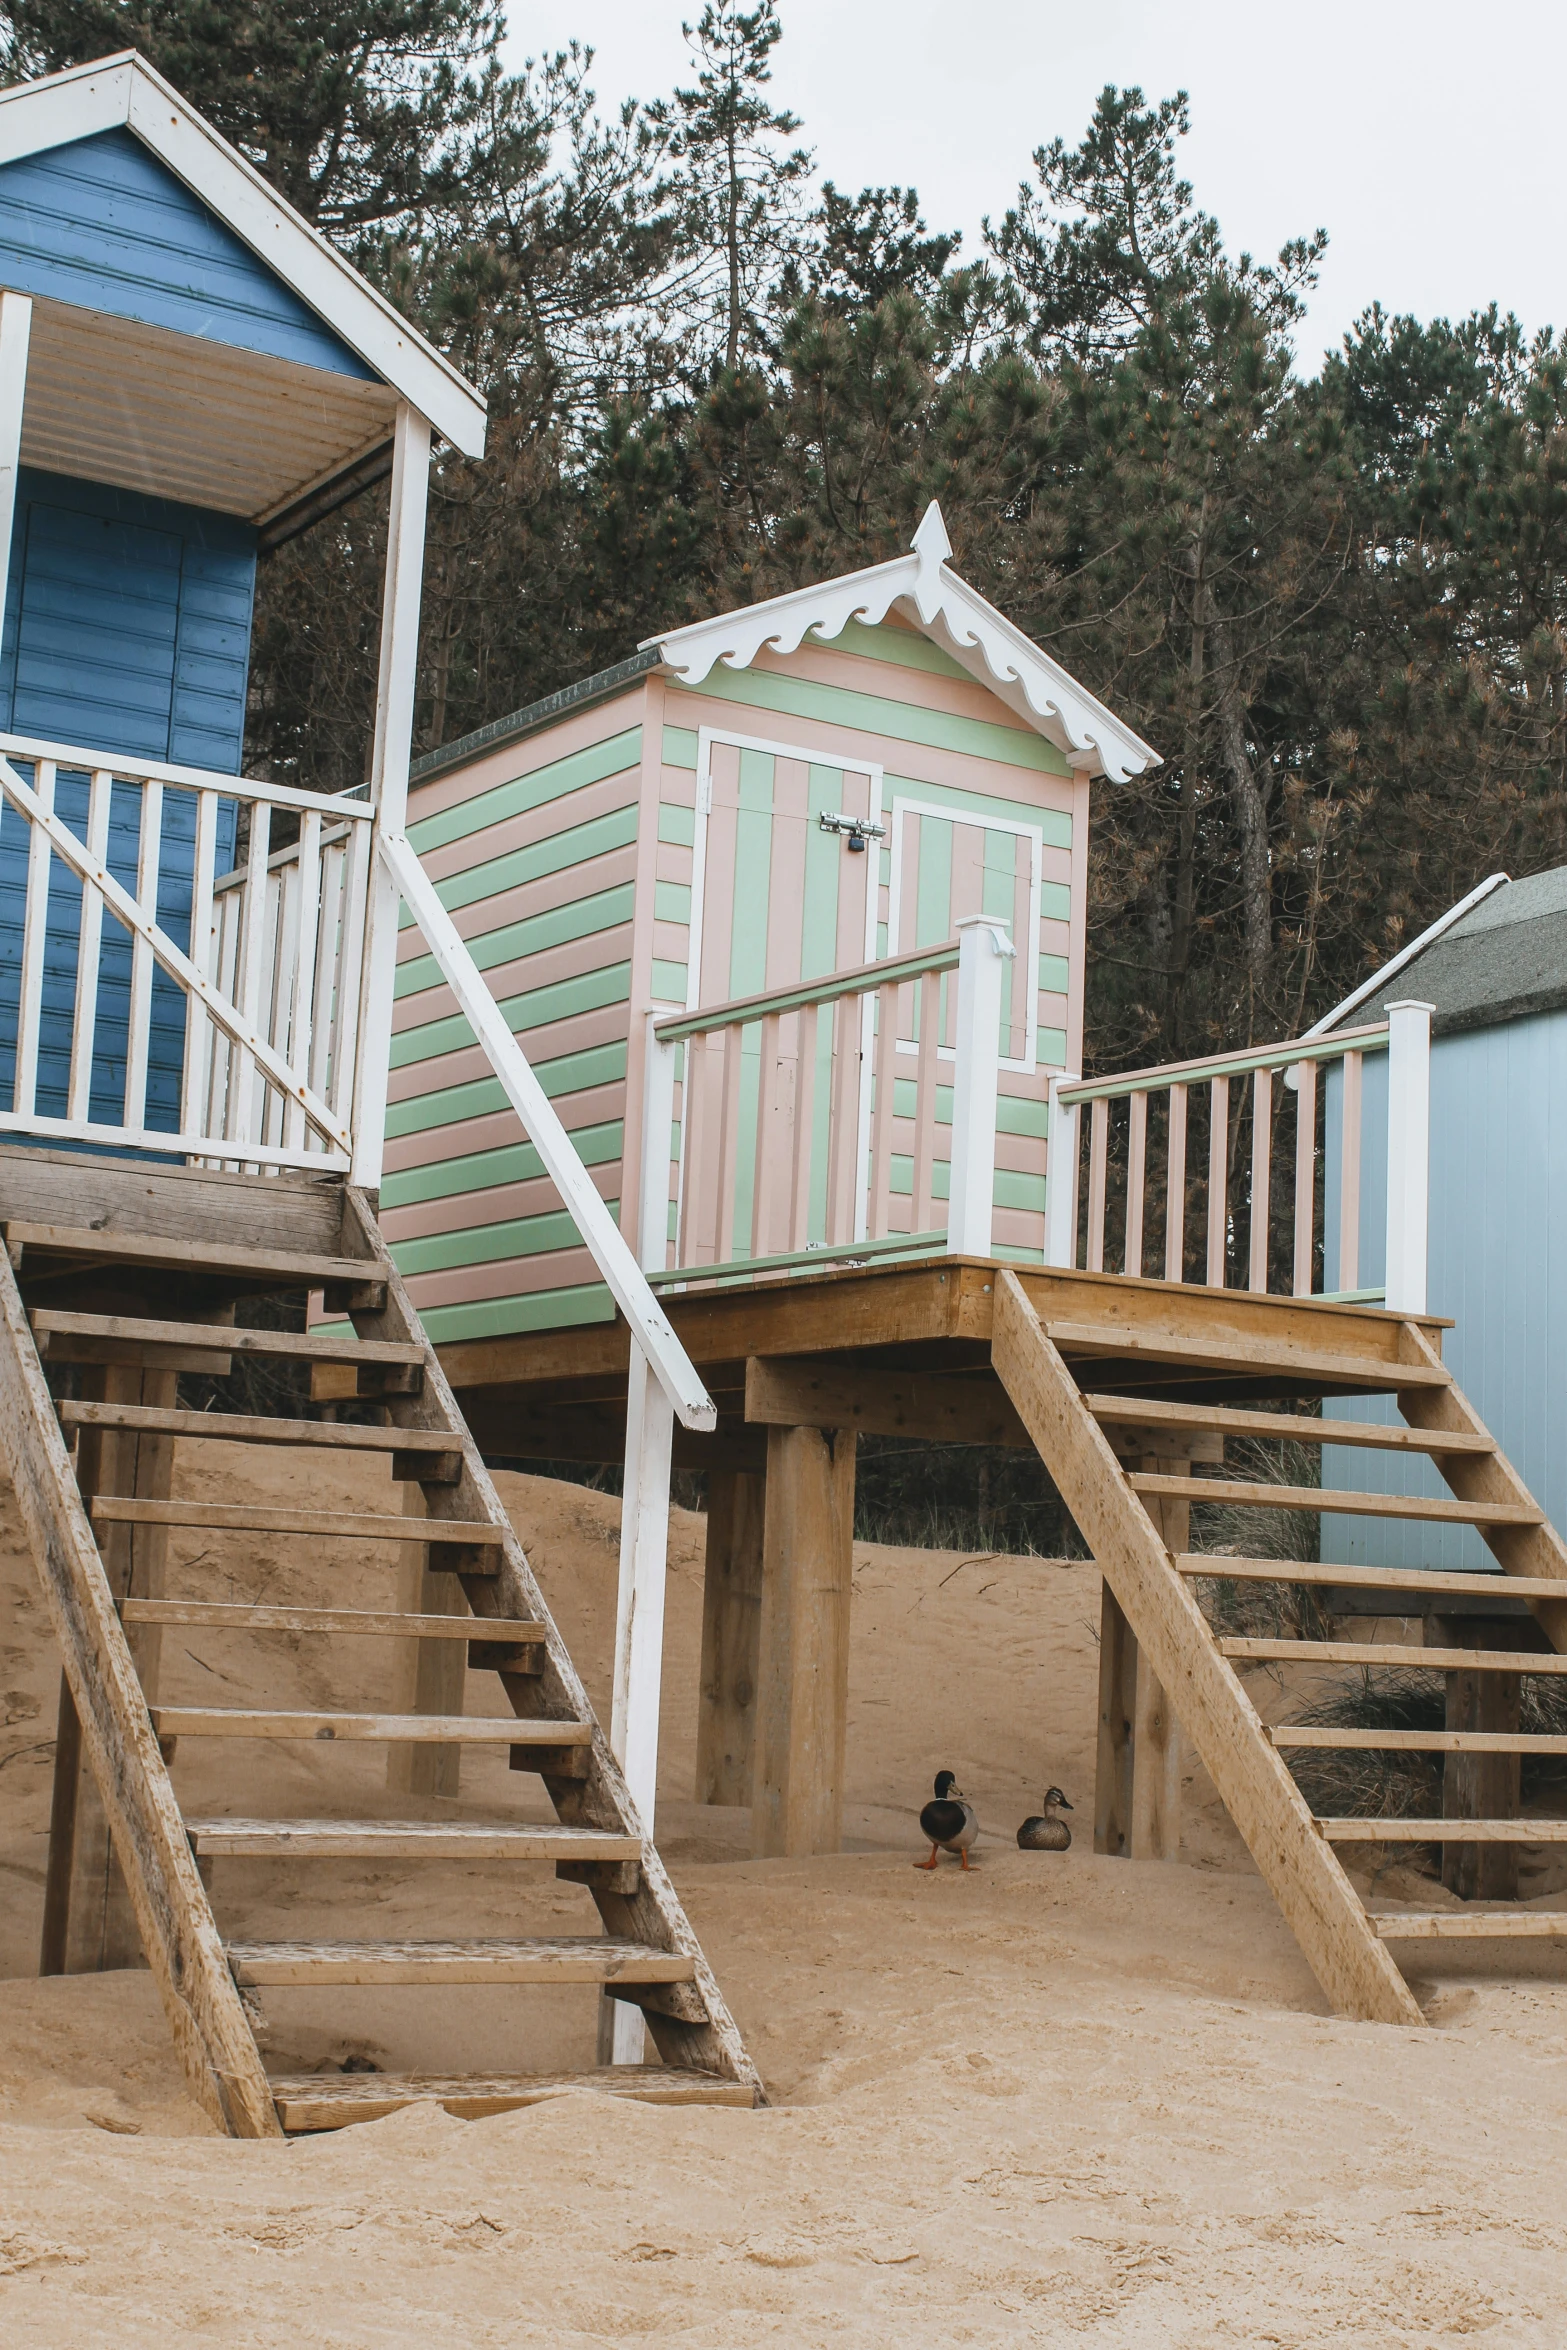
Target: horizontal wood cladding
x=103 y=225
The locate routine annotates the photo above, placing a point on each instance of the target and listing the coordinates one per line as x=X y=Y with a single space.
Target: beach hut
x=189 y=376
x=1494 y=971
x=757 y=823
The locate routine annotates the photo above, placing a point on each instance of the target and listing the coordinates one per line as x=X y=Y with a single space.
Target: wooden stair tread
x=1457 y=1831
x=189 y=1721
x=571 y=1958
x=302 y=1346
x=238 y=1517
x=299 y=1269
x=312 y=2101
x=1136 y=1411
x=251 y=1428
x=1411 y=1579
x=1293 y=1735
x=410 y=1839
x=1252 y=1358
x=218 y=1615
x=1364 y=1652
x=1243 y=1494
x=1466 y=1925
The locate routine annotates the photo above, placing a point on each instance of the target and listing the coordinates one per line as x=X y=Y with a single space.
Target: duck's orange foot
x=927 y=1864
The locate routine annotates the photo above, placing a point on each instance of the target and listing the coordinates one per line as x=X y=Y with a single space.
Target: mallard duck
x=1042 y=1831
x=949 y=1821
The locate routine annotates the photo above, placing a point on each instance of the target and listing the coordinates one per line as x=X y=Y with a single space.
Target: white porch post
x=16 y=327
x=984 y=949
x=1408 y=1154
x=644 y=1508
x=394 y=721
x=1062 y=1160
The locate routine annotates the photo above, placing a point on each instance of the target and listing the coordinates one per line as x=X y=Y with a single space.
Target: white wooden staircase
x=1175 y=1364
x=116 y=1278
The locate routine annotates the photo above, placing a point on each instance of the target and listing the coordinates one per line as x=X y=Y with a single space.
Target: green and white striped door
x=777 y=900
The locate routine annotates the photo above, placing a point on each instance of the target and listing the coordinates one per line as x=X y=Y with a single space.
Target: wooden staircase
x=116 y=1279
x=1171 y=1375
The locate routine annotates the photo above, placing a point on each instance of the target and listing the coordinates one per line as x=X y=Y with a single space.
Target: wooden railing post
x=1063 y=1160
x=1408 y=1155
x=984 y=948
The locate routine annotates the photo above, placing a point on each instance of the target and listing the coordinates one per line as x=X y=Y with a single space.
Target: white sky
x=1427 y=140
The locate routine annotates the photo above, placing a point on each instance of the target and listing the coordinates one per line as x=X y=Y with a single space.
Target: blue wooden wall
x=1497 y=1265
x=127 y=629
x=102 y=224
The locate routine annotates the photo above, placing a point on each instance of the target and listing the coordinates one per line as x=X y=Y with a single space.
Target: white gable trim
x=125 y=91
x=928 y=591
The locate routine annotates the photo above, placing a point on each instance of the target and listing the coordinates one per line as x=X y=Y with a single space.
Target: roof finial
x=931 y=542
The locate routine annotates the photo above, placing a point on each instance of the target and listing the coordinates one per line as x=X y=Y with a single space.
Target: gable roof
x=197 y=414
x=1499 y=954
x=927 y=591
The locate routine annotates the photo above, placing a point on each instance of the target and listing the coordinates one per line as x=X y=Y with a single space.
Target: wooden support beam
x=731 y=1636
x=823 y=1391
x=803 y=1682
x=1480 y=1786
x=430 y=1675
x=1137 y=1799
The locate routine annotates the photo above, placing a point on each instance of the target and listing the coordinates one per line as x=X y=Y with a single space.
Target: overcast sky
x=1427 y=140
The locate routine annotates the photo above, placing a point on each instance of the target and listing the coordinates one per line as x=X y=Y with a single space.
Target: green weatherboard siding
x=498 y=1317
x=799 y=697
x=574 y=846
x=678 y=826
x=1055 y=974
x=490 y=1244
x=540 y=1007
x=898 y=645
x=680 y=747
x=513 y=1162
x=606 y=909
x=671 y=901
x=614 y=757
x=481 y=1097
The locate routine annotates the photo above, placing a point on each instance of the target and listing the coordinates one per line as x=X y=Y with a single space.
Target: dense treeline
x=1336 y=602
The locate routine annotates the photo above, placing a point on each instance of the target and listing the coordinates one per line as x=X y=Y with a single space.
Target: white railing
x=263 y=1011
x=795 y=1120
x=1140 y=1132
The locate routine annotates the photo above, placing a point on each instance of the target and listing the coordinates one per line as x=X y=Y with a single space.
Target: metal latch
x=857 y=830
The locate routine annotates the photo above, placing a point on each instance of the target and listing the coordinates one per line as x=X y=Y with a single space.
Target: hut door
x=778 y=900
x=942 y=868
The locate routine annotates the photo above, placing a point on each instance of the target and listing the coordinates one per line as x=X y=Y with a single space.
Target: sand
x=1058 y=2100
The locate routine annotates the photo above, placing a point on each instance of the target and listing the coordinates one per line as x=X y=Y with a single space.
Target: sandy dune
x=1058 y=2100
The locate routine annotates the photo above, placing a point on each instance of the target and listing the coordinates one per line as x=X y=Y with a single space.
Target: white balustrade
x=1127 y=1113
x=808 y=1116
x=263 y=1006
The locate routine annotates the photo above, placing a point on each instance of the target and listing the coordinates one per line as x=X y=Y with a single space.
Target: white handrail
x=650 y=1327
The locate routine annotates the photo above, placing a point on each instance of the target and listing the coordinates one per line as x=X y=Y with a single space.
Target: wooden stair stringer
x=1319 y=1904
x=212 y=2035
x=1536 y=1551
x=707 y=2039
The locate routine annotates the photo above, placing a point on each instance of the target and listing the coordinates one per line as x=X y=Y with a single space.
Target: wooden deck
x=799 y=1368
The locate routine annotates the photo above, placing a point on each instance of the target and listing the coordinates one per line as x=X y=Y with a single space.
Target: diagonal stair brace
x=1487 y=1476
x=212 y=2035
x=690 y=2024
x=1320 y=1905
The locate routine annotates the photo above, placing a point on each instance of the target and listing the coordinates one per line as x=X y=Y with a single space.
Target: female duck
x=949 y=1821
x=1042 y=1831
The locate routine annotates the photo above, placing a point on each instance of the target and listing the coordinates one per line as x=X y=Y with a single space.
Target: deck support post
x=89 y=1925
x=1481 y=1786
x=731 y=1637
x=803 y=1678
x=431 y=1674
x=1137 y=1791
x=1408 y=1155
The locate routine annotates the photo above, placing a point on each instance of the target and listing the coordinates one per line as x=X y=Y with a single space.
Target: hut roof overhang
x=922 y=588
x=1499 y=954
x=202 y=419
